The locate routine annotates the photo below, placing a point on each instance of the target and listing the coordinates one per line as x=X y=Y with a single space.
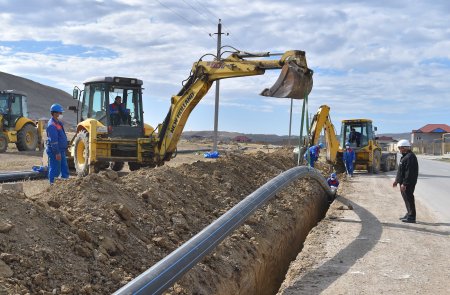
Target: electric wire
x=183 y=18
x=239 y=42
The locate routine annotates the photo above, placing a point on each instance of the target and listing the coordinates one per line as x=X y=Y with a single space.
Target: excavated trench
x=270 y=245
x=267 y=272
x=110 y=228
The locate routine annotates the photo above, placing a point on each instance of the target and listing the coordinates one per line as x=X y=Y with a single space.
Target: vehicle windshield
x=4 y=103
x=112 y=105
x=127 y=102
x=356 y=133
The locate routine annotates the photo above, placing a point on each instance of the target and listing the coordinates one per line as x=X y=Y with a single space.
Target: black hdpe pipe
x=167 y=271
x=11 y=176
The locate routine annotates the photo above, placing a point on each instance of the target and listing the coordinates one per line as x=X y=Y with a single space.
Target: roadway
x=433 y=186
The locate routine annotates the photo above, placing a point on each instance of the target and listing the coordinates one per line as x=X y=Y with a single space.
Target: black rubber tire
x=116 y=166
x=385 y=164
x=81 y=153
x=3 y=143
x=27 y=138
x=133 y=166
x=376 y=162
x=394 y=166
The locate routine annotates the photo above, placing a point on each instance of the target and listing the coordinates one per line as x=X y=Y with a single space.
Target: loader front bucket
x=294 y=82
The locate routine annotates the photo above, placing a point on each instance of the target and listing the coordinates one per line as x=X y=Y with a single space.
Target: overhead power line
x=239 y=42
x=182 y=17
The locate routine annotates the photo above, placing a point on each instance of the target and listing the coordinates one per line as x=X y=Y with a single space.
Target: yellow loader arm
x=295 y=81
x=321 y=120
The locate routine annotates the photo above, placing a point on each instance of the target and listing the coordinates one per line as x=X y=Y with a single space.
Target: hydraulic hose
x=167 y=271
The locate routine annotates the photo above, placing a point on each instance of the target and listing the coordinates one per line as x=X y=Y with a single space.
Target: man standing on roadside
x=408 y=171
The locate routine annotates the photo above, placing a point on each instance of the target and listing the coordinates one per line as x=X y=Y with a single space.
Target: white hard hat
x=403 y=142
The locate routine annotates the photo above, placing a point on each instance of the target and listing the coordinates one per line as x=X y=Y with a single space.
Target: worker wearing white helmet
x=408 y=171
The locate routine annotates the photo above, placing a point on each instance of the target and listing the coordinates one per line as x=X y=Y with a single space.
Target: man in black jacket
x=408 y=171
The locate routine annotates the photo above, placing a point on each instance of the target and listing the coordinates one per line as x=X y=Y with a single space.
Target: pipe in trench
x=167 y=271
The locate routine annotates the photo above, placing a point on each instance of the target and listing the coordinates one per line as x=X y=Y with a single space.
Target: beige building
x=430 y=139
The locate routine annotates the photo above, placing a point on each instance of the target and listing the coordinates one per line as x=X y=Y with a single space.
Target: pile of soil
x=92 y=235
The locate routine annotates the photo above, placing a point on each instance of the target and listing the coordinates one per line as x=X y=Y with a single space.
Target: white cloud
x=379 y=59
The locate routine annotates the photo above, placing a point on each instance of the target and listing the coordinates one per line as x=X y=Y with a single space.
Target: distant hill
x=266 y=138
x=227 y=136
x=40 y=97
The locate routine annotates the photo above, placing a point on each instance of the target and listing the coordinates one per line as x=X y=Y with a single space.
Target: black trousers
x=408 y=198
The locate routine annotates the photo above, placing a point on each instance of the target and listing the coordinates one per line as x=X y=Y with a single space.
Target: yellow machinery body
x=15 y=126
x=369 y=155
x=100 y=142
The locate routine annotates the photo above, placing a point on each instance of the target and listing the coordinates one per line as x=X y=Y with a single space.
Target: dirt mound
x=93 y=235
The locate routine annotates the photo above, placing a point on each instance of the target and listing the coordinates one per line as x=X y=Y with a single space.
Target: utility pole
x=216 y=105
x=290 y=123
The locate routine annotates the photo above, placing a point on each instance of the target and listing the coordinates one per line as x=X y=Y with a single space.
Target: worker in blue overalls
x=56 y=145
x=313 y=154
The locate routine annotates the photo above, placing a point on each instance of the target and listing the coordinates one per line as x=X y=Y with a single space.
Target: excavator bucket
x=294 y=82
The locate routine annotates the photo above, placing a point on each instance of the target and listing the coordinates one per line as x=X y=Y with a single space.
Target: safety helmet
x=403 y=142
x=347 y=143
x=321 y=145
x=56 y=108
x=333 y=176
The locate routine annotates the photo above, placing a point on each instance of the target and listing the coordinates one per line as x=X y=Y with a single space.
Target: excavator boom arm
x=321 y=120
x=295 y=81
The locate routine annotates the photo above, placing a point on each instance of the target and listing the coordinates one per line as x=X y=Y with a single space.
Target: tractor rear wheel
x=81 y=157
x=116 y=166
x=376 y=162
x=134 y=166
x=3 y=143
x=27 y=138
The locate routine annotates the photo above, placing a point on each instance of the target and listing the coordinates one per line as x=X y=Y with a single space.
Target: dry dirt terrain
x=93 y=235
x=368 y=250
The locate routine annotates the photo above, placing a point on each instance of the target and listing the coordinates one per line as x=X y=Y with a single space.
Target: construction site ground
x=93 y=235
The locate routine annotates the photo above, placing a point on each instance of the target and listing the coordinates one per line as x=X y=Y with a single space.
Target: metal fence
x=438 y=147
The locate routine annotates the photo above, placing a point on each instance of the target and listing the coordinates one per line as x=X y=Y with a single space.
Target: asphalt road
x=433 y=186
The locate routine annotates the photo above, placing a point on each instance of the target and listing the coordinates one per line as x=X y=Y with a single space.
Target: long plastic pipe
x=167 y=271
x=20 y=175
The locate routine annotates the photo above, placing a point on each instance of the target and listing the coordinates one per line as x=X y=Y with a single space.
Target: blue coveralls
x=349 y=158
x=332 y=182
x=118 y=113
x=313 y=155
x=56 y=144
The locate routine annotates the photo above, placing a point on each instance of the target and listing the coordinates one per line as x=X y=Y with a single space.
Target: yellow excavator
x=369 y=154
x=15 y=126
x=101 y=141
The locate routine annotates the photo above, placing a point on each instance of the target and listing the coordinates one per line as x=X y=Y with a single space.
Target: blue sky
x=384 y=60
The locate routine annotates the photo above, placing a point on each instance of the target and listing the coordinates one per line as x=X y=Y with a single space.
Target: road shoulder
x=368 y=250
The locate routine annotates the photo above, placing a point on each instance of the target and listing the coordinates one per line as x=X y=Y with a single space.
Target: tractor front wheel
x=81 y=157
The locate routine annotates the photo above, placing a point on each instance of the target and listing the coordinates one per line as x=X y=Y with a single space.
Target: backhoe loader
x=100 y=141
x=369 y=155
x=15 y=126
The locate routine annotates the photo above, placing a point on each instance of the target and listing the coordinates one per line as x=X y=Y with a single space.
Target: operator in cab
x=56 y=145
x=118 y=113
x=355 y=137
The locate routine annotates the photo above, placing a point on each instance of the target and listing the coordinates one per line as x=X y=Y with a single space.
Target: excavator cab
x=116 y=103
x=357 y=132
x=360 y=134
